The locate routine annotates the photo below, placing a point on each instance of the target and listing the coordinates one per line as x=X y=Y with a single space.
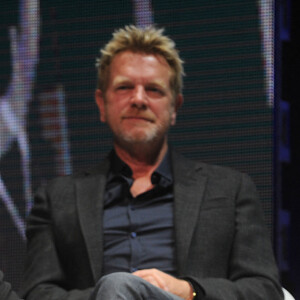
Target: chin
x=140 y=137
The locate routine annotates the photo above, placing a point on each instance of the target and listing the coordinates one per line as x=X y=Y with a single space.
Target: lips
x=137 y=118
x=142 y=117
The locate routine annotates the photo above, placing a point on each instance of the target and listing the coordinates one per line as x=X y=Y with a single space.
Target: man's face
x=138 y=104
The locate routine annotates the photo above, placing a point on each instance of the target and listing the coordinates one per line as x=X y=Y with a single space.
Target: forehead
x=128 y=63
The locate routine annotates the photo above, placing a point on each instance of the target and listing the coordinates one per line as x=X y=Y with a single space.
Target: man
x=147 y=223
x=6 y=293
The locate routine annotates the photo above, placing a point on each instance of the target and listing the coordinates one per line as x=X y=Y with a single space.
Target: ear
x=178 y=103
x=99 y=97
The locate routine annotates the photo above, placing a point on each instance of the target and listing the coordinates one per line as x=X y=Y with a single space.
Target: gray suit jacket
x=221 y=240
x=6 y=292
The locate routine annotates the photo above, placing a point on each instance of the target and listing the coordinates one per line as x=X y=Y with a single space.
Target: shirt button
x=133 y=234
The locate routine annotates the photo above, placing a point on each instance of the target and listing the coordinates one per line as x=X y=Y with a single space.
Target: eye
x=155 y=90
x=122 y=87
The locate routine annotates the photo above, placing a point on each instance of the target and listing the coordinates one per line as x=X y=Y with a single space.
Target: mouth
x=138 y=118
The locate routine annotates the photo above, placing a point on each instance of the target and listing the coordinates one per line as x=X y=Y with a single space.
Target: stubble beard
x=145 y=142
x=141 y=141
x=139 y=136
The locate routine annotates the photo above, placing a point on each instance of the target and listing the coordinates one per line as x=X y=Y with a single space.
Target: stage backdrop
x=49 y=124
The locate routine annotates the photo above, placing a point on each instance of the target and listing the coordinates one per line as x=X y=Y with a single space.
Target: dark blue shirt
x=138 y=231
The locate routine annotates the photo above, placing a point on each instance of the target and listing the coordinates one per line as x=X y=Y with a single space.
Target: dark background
x=288 y=69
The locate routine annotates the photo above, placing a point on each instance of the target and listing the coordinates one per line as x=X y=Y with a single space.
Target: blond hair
x=149 y=40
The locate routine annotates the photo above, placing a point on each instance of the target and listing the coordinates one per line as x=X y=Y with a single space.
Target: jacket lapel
x=189 y=186
x=89 y=195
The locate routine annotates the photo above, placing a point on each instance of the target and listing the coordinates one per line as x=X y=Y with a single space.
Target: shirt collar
x=162 y=175
x=118 y=167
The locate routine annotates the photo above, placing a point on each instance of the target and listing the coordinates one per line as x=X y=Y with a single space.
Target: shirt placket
x=134 y=239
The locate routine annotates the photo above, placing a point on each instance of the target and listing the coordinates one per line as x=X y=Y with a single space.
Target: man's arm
x=6 y=292
x=45 y=277
x=251 y=272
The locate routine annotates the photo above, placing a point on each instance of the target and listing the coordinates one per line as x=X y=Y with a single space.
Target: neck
x=141 y=158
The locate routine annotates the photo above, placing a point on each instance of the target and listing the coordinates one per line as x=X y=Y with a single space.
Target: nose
x=139 y=97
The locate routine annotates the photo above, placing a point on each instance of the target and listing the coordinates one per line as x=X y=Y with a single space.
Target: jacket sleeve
x=251 y=271
x=6 y=292
x=45 y=275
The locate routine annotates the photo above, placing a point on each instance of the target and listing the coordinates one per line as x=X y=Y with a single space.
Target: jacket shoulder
x=204 y=168
x=65 y=184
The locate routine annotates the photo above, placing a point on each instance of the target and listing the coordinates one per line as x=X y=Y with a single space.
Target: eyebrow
x=124 y=79
x=120 y=79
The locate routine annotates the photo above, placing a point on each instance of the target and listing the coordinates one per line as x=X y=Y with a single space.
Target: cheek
x=110 y=114
x=162 y=108
x=113 y=108
x=166 y=116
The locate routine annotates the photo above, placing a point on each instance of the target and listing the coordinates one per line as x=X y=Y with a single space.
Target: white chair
x=287 y=295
